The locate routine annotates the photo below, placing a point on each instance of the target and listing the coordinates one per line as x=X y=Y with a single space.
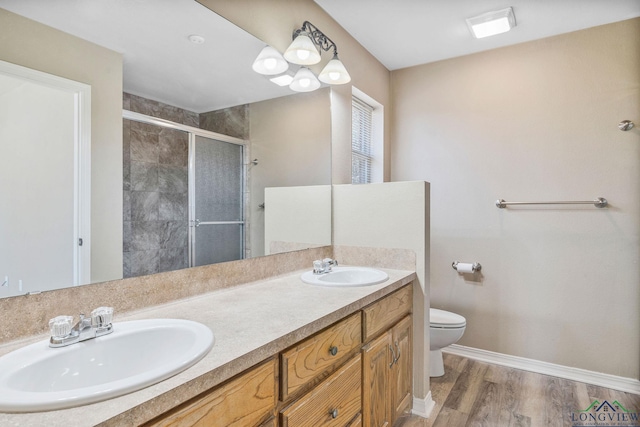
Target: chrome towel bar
x=600 y=202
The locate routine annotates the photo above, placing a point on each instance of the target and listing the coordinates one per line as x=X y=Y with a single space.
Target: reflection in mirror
x=176 y=94
x=45 y=180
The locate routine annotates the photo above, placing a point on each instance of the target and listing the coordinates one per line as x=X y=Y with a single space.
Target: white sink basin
x=137 y=354
x=346 y=276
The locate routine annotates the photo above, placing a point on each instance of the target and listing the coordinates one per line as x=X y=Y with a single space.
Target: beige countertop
x=250 y=323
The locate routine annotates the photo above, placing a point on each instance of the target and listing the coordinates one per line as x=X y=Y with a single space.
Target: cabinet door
x=402 y=369
x=376 y=358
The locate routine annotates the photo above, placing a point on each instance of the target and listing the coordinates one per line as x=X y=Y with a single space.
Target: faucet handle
x=330 y=262
x=318 y=267
x=60 y=326
x=101 y=317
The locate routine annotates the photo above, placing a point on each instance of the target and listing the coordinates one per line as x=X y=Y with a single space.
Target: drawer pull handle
x=334 y=413
x=333 y=350
x=398 y=356
x=394 y=359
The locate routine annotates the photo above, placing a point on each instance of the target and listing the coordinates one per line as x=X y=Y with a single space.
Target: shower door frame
x=193 y=133
x=193 y=221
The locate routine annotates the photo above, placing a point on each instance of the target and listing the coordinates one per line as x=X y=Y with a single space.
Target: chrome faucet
x=63 y=334
x=324 y=266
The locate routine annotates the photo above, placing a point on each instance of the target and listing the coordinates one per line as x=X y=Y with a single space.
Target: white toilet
x=446 y=329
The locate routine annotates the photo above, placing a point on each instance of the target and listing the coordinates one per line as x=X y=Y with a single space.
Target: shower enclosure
x=184 y=196
x=215 y=201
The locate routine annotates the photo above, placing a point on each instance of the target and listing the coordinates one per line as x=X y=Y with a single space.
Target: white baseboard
x=423 y=407
x=628 y=385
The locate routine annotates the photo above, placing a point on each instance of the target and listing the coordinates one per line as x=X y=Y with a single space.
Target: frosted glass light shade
x=269 y=62
x=302 y=51
x=304 y=81
x=334 y=73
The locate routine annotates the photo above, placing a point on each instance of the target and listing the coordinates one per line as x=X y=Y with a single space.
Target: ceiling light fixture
x=302 y=50
x=492 y=23
x=306 y=48
x=283 y=80
x=304 y=81
x=270 y=62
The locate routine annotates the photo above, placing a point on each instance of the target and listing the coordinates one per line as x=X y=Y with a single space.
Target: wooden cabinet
x=382 y=314
x=272 y=422
x=387 y=375
x=387 y=360
x=357 y=422
x=313 y=358
x=246 y=400
x=328 y=379
x=335 y=402
x=376 y=373
x=402 y=368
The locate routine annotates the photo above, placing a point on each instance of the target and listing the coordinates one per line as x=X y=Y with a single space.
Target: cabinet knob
x=334 y=413
x=333 y=350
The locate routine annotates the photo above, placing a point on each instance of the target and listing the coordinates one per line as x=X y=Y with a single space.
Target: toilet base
x=436 y=368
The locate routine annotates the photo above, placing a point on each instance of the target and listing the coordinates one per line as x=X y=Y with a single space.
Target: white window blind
x=361 y=130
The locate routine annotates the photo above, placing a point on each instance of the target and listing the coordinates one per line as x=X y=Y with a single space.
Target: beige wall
x=274 y=22
x=536 y=121
x=392 y=215
x=297 y=218
x=33 y=45
x=291 y=138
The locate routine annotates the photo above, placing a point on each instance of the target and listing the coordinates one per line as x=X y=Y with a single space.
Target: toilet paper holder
x=475 y=267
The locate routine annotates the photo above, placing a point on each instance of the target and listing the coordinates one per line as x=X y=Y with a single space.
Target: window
x=367 y=138
x=361 y=141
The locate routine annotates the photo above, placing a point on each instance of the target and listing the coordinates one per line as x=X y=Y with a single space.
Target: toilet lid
x=445 y=319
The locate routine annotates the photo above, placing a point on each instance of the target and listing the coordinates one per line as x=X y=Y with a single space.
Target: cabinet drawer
x=312 y=357
x=357 y=422
x=380 y=315
x=334 y=403
x=244 y=401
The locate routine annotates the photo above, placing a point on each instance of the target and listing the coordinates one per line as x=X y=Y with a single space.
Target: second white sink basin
x=137 y=354
x=346 y=276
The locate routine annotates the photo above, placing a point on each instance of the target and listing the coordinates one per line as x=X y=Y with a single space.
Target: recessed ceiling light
x=492 y=23
x=283 y=80
x=196 y=39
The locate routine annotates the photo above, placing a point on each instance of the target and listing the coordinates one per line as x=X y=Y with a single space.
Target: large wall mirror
x=189 y=147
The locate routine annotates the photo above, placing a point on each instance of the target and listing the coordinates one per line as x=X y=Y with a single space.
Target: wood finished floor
x=473 y=393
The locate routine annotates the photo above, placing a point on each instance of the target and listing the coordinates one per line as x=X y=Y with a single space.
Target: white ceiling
x=404 y=33
x=160 y=63
x=8 y=83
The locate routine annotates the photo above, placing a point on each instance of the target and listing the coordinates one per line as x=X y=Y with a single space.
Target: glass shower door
x=216 y=200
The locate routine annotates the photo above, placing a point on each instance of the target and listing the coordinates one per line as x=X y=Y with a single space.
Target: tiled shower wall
x=232 y=121
x=155 y=214
x=155 y=211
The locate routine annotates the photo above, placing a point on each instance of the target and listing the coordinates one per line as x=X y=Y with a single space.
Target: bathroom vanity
x=286 y=353
x=357 y=371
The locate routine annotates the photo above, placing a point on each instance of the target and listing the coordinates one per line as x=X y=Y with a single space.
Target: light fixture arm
x=318 y=37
